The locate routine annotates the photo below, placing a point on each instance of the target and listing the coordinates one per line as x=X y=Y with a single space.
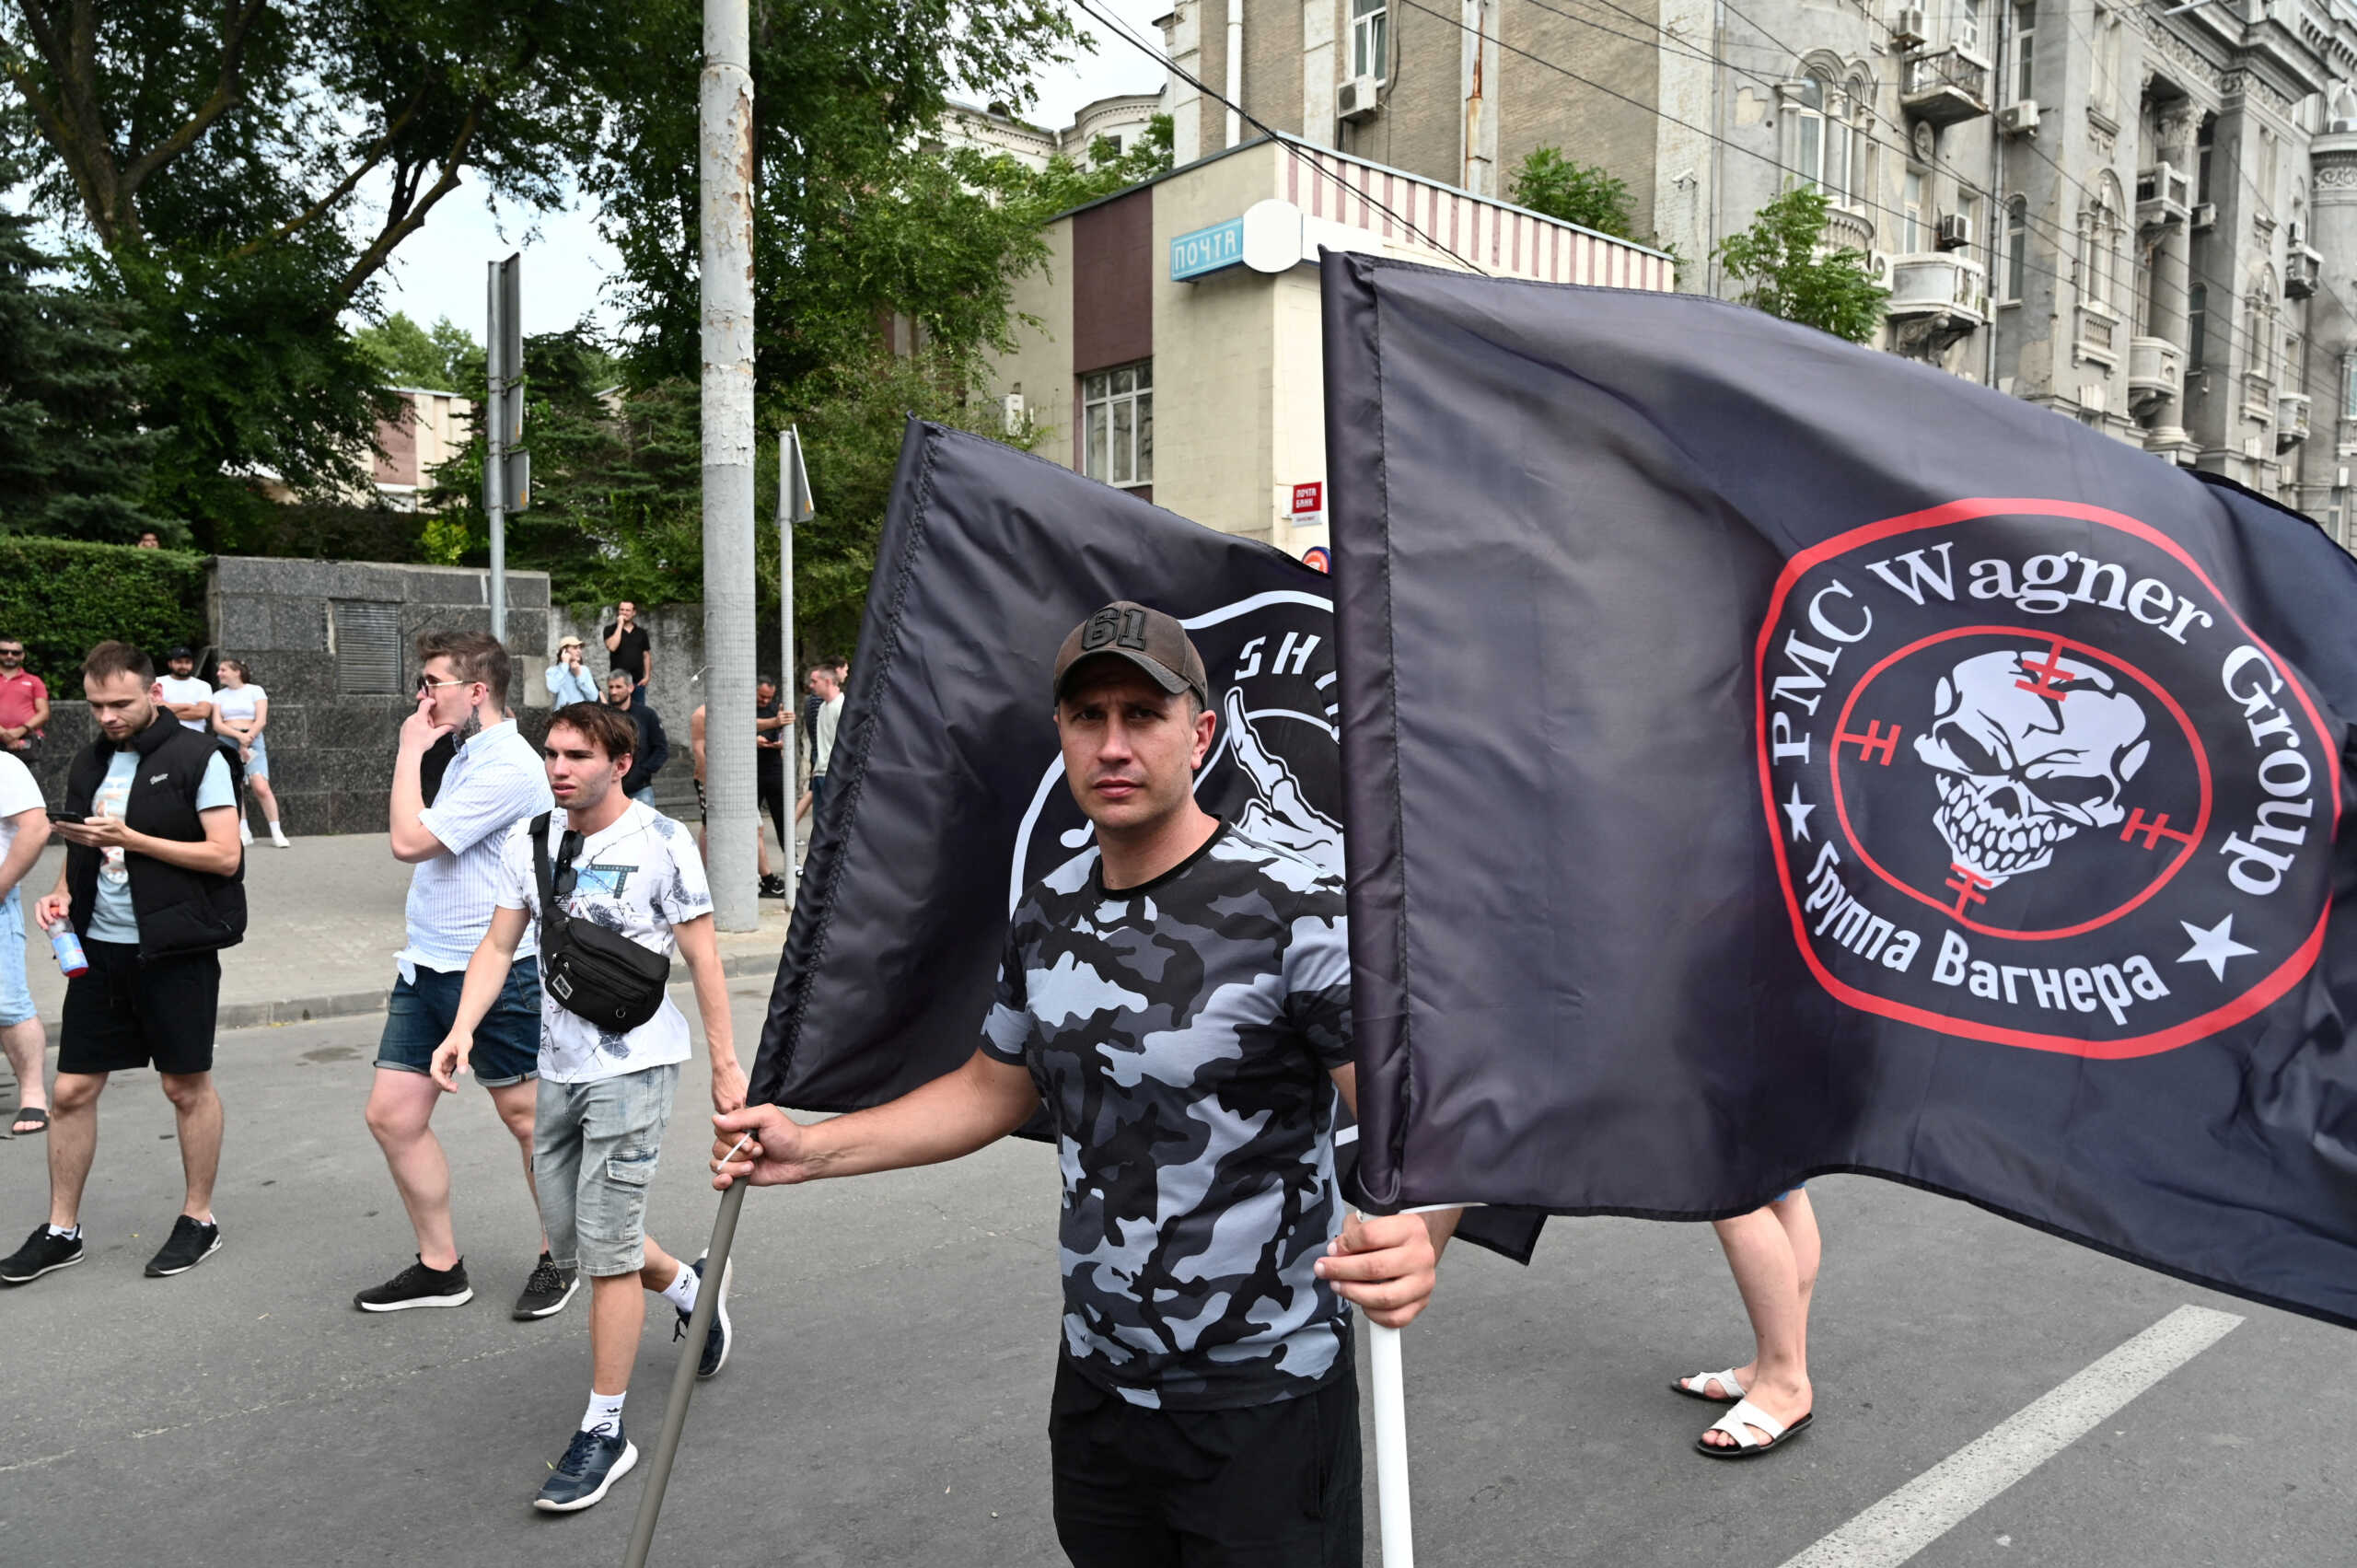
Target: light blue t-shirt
x=111 y=916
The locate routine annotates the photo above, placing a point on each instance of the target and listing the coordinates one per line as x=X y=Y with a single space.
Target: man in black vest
x=153 y=886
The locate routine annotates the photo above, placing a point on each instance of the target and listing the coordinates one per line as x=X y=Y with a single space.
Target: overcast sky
x=439 y=270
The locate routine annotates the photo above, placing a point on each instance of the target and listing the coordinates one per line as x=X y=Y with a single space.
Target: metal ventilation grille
x=367 y=636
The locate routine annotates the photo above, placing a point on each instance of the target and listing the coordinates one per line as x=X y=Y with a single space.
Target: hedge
x=62 y=595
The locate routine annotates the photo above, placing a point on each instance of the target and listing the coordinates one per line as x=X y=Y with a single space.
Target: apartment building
x=2143 y=216
x=994 y=129
x=1172 y=344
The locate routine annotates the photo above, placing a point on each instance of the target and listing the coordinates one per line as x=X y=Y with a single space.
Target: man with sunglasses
x=24 y=701
x=494 y=783
x=605 y=1093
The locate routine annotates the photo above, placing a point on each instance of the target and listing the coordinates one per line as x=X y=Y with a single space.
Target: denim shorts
x=595 y=1147
x=15 y=996
x=507 y=1041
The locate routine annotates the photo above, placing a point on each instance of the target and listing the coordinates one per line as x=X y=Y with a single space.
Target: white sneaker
x=278 y=837
x=245 y=832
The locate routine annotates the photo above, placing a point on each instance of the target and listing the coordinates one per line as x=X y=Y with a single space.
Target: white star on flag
x=2215 y=946
x=1798 y=813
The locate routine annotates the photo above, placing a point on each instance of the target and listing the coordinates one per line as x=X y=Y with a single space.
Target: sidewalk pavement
x=323 y=922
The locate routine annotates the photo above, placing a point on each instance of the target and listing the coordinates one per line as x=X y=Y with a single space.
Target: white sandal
x=1737 y=1423
x=1693 y=1387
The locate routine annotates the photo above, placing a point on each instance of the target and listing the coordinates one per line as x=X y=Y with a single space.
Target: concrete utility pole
x=503 y=422
x=725 y=141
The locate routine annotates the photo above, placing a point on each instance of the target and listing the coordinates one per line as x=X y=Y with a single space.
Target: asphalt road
x=887 y=1400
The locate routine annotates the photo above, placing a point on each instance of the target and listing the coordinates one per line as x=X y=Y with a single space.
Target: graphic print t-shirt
x=1181 y=1033
x=640 y=876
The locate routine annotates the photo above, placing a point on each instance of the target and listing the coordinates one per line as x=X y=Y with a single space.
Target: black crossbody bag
x=597 y=974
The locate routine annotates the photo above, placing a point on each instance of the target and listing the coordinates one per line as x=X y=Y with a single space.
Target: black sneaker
x=716 y=1338
x=418 y=1285
x=190 y=1243
x=42 y=1253
x=547 y=1291
x=773 y=885
x=593 y=1461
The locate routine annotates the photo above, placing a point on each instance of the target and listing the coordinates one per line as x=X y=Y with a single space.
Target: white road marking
x=1927 y=1507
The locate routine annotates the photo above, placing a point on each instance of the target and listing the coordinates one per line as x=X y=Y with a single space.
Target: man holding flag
x=1179 y=997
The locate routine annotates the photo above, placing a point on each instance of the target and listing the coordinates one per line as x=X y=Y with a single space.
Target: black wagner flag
x=946 y=793
x=1766 y=757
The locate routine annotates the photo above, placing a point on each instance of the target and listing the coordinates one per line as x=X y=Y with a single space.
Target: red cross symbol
x=1966 y=884
x=2155 y=831
x=1874 y=740
x=2044 y=677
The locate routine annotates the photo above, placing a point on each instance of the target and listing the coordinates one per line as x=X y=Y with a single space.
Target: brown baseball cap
x=1153 y=641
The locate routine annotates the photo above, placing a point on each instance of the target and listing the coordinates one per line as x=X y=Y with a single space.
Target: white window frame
x=1914 y=197
x=1371 y=35
x=2023 y=74
x=1118 y=449
x=2014 y=263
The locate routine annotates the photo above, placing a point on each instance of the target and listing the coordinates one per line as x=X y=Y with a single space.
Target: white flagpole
x=1390 y=1448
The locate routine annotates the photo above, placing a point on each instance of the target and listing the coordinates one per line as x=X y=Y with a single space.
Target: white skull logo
x=2030 y=747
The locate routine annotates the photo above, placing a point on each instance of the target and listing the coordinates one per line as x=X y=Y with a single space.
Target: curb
x=352 y=1003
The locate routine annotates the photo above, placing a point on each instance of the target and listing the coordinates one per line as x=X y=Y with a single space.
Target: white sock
x=245 y=832
x=605 y=1412
x=277 y=833
x=682 y=1292
x=65 y=1234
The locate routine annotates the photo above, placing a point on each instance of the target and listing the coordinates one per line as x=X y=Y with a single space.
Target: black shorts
x=123 y=1013
x=1267 y=1486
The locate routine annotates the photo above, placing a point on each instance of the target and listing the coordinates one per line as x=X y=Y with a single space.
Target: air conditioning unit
x=2205 y=216
x=1355 y=99
x=2020 y=119
x=1907 y=30
x=1015 y=413
x=1955 y=232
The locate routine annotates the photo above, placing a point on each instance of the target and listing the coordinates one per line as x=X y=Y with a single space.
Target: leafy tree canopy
x=407 y=354
x=1779 y=256
x=1573 y=193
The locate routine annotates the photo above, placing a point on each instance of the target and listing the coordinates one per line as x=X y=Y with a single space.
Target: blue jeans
x=507 y=1041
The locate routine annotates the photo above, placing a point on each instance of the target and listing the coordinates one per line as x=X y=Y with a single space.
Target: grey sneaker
x=547 y=1291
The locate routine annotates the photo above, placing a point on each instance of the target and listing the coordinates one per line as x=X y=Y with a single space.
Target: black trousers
x=770 y=784
x=1268 y=1486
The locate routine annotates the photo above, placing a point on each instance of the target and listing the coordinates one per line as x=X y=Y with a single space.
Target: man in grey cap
x=1179 y=996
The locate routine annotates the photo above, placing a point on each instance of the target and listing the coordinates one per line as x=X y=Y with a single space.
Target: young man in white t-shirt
x=605 y=1096
x=189 y=699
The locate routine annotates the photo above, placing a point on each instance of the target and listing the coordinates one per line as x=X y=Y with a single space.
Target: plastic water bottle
x=69 y=948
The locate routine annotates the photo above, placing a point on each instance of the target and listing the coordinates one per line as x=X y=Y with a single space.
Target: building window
x=2202 y=147
x=2100 y=230
x=1117 y=420
x=2197 y=324
x=2106 y=94
x=2016 y=246
x=1823 y=150
x=1910 y=214
x=2267 y=172
x=1371 y=39
x=2025 y=30
x=1968 y=26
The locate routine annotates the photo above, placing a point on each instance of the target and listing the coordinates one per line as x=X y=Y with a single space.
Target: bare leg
x=262 y=793
x=1794 y=1213
x=197 y=1106
x=617 y=1318
x=1760 y=1255
x=518 y=1106
x=660 y=1270
x=28 y=1050
x=400 y=1107
x=72 y=1143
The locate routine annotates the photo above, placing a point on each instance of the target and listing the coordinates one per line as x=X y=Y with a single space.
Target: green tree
x=74 y=454
x=1573 y=193
x=407 y=354
x=1779 y=256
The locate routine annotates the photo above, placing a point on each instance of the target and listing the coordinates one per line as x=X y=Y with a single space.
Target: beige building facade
x=1173 y=341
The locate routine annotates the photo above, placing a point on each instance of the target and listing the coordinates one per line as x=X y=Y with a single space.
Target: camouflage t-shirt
x=1181 y=1033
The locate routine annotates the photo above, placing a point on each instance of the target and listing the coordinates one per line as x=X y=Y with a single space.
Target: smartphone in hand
x=57 y=816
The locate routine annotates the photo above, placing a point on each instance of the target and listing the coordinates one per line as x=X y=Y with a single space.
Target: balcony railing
x=2291 y=420
x=2258 y=397
x=1940 y=283
x=1945 y=87
x=2302 y=273
x=1848 y=230
x=2163 y=196
x=2155 y=373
